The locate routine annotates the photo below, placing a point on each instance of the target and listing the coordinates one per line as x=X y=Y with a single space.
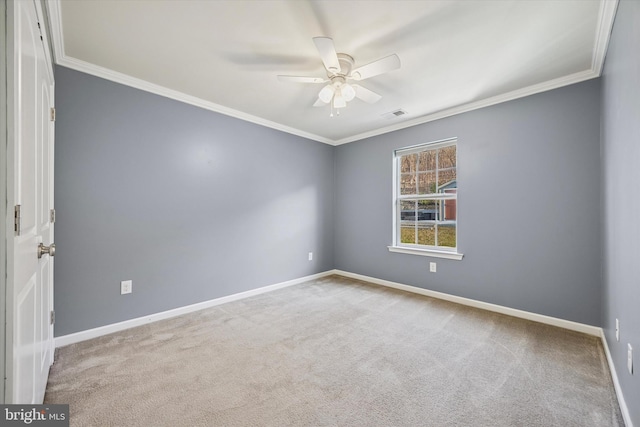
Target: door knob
x=49 y=250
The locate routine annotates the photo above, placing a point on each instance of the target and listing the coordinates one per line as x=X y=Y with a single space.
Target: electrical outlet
x=126 y=287
x=630 y=358
x=310 y=256
x=617 y=330
x=432 y=267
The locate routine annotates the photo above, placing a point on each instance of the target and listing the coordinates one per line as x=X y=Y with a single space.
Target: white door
x=31 y=132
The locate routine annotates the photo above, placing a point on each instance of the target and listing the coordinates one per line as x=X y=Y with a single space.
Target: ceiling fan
x=340 y=70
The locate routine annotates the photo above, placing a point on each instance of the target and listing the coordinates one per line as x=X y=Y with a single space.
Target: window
x=425 y=205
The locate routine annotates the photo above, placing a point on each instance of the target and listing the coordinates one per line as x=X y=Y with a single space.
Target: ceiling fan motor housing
x=346 y=65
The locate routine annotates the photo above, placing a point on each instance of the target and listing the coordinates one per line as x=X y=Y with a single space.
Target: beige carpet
x=337 y=352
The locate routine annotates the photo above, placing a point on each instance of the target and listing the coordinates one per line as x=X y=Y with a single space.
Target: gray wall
x=528 y=205
x=189 y=204
x=621 y=204
x=193 y=205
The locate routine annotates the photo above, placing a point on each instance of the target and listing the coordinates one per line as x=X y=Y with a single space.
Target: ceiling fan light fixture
x=326 y=93
x=339 y=101
x=348 y=92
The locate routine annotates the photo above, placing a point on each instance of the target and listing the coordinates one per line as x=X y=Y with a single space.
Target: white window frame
x=416 y=249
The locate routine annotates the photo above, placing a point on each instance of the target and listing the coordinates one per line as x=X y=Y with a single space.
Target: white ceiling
x=225 y=55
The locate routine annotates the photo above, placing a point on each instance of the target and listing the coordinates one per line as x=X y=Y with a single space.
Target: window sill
x=426 y=252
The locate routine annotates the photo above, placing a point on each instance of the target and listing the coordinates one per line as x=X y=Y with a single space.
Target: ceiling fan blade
x=384 y=65
x=319 y=103
x=366 y=95
x=328 y=53
x=301 y=79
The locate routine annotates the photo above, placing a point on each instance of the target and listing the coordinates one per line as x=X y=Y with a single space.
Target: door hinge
x=53 y=114
x=53 y=317
x=16 y=220
x=52 y=216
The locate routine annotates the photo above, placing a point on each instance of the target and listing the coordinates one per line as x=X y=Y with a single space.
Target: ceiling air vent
x=394 y=114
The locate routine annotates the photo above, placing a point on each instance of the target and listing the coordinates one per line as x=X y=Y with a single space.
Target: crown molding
x=498 y=99
x=62 y=59
x=606 y=18
x=146 y=86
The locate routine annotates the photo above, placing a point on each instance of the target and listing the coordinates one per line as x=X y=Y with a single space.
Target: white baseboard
x=540 y=318
x=115 y=327
x=132 y=323
x=566 y=324
x=616 y=384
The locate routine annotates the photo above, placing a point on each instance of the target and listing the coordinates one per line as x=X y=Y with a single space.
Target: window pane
x=447 y=179
x=408 y=183
x=447 y=235
x=427 y=160
x=448 y=211
x=408 y=221
x=427 y=210
x=447 y=157
x=408 y=235
x=426 y=234
x=407 y=211
x=408 y=163
x=427 y=215
x=426 y=183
